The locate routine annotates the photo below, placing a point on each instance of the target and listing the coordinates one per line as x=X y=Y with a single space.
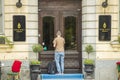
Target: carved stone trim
x=115 y=45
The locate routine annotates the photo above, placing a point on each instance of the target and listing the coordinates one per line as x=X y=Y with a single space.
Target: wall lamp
x=19 y=4
x=105 y=4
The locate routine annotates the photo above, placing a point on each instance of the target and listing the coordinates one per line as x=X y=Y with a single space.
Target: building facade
x=90 y=18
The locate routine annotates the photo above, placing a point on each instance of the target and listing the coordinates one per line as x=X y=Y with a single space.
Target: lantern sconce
x=105 y=4
x=19 y=4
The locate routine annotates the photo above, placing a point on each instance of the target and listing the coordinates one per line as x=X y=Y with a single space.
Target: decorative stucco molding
x=115 y=45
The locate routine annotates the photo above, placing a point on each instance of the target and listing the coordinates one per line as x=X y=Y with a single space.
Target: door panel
x=67 y=23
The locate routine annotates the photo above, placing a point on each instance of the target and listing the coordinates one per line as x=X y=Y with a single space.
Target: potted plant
x=6 y=42
x=118 y=38
x=34 y=69
x=35 y=64
x=89 y=63
x=37 y=48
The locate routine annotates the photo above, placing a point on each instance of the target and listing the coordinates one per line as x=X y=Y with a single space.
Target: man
x=58 y=44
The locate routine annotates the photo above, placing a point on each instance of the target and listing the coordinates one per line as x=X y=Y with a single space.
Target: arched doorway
x=63 y=15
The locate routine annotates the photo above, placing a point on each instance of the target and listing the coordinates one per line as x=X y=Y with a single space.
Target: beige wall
x=88 y=25
x=21 y=50
x=104 y=49
x=91 y=9
x=104 y=53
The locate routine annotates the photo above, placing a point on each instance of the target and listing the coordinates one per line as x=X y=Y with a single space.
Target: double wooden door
x=68 y=21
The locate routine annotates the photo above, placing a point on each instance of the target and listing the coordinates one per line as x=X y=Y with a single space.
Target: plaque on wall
x=105 y=27
x=19 y=28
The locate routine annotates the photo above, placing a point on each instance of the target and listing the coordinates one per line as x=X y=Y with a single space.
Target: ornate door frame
x=59 y=17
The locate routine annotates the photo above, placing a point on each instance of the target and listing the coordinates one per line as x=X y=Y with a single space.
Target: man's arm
x=54 y=43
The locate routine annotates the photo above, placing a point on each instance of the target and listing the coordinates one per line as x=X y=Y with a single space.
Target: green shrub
x=37 y=48
x=34 y=62
x=5 y=40
x=88 y=61
x=89 y=49
x=119 y=39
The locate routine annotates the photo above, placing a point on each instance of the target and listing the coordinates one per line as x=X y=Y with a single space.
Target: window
x=1 y=17
x=48 y=31
x=70 y=33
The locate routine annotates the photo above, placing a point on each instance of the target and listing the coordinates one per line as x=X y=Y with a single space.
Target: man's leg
x=62 y=62
x=57 y=60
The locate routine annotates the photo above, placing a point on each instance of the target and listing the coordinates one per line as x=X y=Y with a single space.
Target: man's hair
x=58 y=33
